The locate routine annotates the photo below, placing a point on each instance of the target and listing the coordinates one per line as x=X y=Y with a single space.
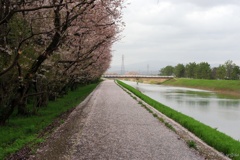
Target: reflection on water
x=203 y=103
x=215 y=110
x=229 y=104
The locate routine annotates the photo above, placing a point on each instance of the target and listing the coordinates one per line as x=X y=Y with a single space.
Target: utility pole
x=148 y=69
x=123 y=67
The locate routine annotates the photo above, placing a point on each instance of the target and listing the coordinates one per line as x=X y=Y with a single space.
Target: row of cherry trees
x=49 y=46
x=203 y=70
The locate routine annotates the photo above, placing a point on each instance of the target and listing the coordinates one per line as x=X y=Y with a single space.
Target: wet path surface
x=117 y=127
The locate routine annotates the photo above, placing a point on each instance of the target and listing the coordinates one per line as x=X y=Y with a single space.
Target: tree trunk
x=7 y=112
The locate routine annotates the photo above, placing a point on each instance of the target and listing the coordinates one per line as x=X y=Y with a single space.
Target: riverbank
x=212 y=137
x=226 y=87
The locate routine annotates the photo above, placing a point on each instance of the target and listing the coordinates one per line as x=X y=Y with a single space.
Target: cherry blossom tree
x=60 y=42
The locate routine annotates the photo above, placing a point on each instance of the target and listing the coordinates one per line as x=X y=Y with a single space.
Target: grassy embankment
x=21 y=131
x=231 y=87
x=212 y=137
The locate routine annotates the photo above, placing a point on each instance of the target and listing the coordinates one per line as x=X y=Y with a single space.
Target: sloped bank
x=228 y=87
x=221 y=142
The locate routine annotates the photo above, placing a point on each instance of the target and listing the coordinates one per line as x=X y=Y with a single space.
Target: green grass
x=221 y=85
x=212 y=137
x=21 y=131
x=191 y=144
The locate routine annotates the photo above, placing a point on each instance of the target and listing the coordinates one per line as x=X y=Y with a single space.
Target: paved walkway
x=117 y=127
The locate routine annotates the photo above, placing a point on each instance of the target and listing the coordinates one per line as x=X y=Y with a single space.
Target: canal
x=218 y=111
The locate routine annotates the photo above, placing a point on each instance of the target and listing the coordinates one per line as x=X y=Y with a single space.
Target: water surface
x=217 y=111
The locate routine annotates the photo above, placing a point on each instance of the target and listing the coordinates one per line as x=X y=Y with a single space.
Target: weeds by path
x=24 y=131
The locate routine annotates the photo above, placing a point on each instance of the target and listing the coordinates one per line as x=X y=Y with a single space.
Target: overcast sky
x=180 y=31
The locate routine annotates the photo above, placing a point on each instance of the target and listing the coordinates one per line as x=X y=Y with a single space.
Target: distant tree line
x=203 y=70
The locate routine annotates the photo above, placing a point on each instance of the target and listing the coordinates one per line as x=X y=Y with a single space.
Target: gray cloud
x=205 y=3
x=180 y=31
